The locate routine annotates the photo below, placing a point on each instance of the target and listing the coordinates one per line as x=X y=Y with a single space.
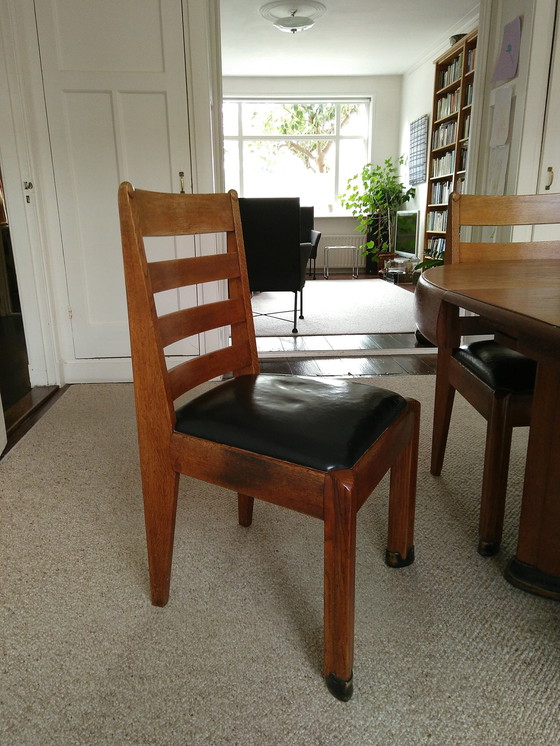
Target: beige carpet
x=447 y=652
x=338 y=307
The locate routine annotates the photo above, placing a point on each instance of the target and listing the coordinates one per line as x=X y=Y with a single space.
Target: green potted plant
x=374 y=196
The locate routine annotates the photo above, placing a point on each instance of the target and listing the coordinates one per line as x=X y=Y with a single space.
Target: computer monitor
x=406 y=233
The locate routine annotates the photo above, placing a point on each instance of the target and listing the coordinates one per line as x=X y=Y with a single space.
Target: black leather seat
x=342 y=418
x=499 y=367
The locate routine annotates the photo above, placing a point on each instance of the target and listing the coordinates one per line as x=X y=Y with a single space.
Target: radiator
x=340 y=259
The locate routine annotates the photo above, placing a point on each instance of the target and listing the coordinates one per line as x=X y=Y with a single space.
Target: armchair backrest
x=271 y=233
x=306 y=223
x=512 y=210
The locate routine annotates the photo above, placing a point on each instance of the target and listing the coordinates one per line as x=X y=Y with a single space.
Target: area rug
x=447 y=652
x=338 y=307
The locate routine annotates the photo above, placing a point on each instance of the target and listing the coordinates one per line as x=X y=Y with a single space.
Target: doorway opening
x=14 y=363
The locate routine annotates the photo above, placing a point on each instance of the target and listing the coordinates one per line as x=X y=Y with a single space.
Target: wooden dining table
x=520 y=300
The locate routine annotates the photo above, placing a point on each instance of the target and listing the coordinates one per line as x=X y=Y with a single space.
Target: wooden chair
x=316 y=446
x=496 y=380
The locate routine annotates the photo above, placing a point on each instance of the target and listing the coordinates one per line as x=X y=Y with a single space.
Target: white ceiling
x=353 y=37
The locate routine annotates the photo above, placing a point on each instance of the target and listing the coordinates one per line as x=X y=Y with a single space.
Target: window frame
x=240 y=139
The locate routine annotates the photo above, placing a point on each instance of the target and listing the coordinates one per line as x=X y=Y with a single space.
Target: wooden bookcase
x=449 y=136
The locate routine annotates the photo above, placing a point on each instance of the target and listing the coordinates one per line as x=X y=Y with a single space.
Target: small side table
x=353 y=249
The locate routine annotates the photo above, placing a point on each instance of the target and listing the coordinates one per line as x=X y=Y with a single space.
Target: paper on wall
x=501 y=116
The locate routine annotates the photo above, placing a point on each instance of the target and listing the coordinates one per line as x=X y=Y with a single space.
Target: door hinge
x=70 y=312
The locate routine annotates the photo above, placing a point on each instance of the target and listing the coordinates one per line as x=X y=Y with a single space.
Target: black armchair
x=309 y=237
x=276 y=260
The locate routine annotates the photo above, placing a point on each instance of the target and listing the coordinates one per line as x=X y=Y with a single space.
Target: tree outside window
x=295 y=148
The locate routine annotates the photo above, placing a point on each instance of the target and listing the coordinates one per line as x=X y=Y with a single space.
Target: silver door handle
x=550 y=172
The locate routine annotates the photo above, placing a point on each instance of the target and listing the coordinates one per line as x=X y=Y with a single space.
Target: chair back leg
x=495 y=476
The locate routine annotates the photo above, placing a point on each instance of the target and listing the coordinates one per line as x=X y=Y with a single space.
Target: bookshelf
x=449 y=136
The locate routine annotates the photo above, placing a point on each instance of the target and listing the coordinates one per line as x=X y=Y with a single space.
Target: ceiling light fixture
x=285 y=17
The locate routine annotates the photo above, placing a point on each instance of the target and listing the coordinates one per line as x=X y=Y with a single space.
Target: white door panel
x=115 y=90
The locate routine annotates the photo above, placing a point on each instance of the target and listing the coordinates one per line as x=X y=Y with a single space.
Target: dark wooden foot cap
x=395 y=559
x=488 y=548
x=339 y=688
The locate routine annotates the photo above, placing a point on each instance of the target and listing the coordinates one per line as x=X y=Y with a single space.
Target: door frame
x=28 y=238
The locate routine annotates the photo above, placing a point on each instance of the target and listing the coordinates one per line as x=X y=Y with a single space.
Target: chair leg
x=294 y=330
x=495 y=477
x=160 y=489
x=301 y=303
x=245 y=509
x=443 y=407
x=340 y=510
x=402 y=501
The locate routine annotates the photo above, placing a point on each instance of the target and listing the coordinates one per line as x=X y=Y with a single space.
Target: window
x=305 y=149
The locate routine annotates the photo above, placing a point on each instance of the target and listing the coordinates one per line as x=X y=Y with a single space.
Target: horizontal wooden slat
x=190 y=321
x=529 y=209
x=182 y=214
x=176 y=273
x=193 y=372
x=510 y=251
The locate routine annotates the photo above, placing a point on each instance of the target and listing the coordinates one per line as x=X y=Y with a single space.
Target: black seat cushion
x=322 y=424
x=498 y=366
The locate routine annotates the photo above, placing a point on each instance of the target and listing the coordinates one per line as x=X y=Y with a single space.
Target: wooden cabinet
x=451 y=120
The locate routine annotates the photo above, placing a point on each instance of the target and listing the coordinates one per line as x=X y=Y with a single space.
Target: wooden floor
x=346 y=355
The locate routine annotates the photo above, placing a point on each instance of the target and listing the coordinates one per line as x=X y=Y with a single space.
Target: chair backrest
x=144 y=214
x=271 y=235
x=516 y=210
x=306 y=223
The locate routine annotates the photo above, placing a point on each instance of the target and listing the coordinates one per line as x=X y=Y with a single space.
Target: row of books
x=448 y=104
x=435 y=247
x=466 y=126
x=436 y=220
x=443 y=165
x=444 y=134
x=440 y=192
x=471 y=59
x=453 y=71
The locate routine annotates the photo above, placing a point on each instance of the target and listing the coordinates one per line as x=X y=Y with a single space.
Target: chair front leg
x=340 y=509
x=443 y=407
x=495 y=478
x=160 y=487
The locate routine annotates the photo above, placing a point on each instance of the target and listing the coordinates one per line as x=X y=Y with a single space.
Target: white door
x=116 y=98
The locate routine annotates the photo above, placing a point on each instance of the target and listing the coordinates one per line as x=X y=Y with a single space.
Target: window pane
x=354 y=119
x=353 y=156
x=232 y=170
x=231 y=119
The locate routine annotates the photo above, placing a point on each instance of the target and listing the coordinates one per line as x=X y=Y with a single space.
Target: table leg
x=536 y=566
